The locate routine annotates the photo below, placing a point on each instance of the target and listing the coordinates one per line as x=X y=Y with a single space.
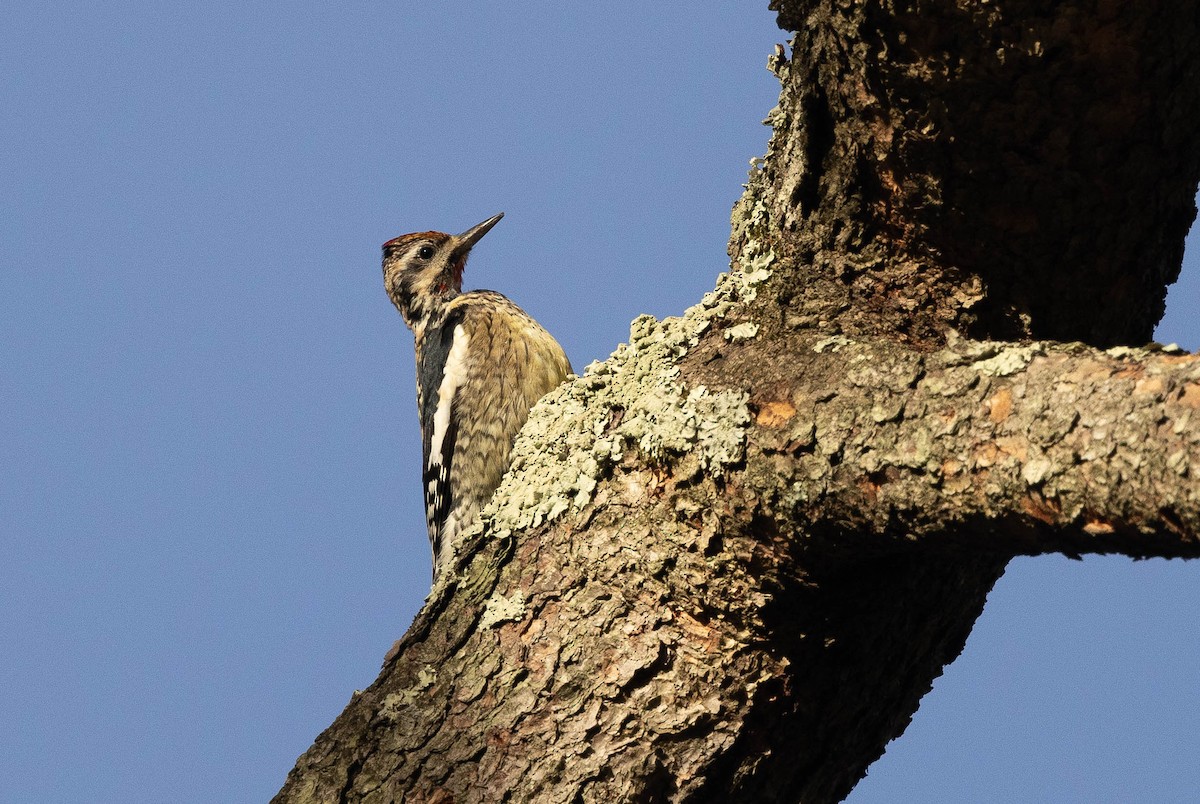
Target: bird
x=482 y=363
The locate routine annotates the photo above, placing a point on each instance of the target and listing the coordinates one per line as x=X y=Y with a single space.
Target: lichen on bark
x=634 y=400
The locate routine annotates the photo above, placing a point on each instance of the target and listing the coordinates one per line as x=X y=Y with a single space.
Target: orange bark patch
x=1000 y=405
x=1040 y=508
x=1191 y=395
x=1015 y=446
x=991 y=453
x=1149 y=386
x=985 y=454
x=869 y=488
x=1175 y=360
x=700 y=635
x=775 y=414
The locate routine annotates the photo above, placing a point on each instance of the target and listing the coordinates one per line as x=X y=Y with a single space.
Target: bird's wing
x=440 y=373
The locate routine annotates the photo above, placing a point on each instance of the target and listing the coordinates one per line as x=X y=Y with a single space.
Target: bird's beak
x=472 y=235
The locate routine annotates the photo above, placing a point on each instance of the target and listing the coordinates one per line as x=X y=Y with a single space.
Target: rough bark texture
x=730 y=560
x=1012 y=169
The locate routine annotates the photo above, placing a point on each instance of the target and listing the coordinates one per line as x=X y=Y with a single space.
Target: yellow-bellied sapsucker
x=482 y=363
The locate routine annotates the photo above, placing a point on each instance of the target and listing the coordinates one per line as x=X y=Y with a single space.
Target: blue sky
x=209 y=505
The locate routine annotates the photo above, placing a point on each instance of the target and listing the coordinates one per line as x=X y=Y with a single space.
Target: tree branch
x=1017 y=449
x=728 y=562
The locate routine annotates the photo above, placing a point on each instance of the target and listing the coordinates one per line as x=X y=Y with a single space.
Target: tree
x=729 y=561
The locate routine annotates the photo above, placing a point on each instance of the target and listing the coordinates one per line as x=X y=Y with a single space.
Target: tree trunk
x=730 y=560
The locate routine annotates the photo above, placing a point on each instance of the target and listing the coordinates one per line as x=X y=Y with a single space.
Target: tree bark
x=730 y=560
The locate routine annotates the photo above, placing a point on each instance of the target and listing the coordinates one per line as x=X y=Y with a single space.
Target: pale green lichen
x=1178 y=462
x=632 y=401
x=500 y=609
x=1008 y=361
x=741 y=332
x=1144 y=352
x=1122 y=352
x=393 y=704
x=734 y=287
x=831 y=344
x=1036 y=470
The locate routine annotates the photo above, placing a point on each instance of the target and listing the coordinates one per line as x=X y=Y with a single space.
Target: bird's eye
x=425 y=252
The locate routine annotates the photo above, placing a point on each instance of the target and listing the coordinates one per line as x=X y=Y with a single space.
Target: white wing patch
x=454 y=375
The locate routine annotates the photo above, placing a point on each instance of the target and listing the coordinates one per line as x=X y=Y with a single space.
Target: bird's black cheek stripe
x=405 y=293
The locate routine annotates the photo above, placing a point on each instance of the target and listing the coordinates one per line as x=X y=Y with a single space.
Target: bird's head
x=423 y=270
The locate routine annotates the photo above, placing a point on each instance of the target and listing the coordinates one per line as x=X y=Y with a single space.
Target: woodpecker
x=482 y=363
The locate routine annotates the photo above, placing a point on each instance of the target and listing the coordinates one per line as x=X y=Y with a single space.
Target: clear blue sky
x=209 y=505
